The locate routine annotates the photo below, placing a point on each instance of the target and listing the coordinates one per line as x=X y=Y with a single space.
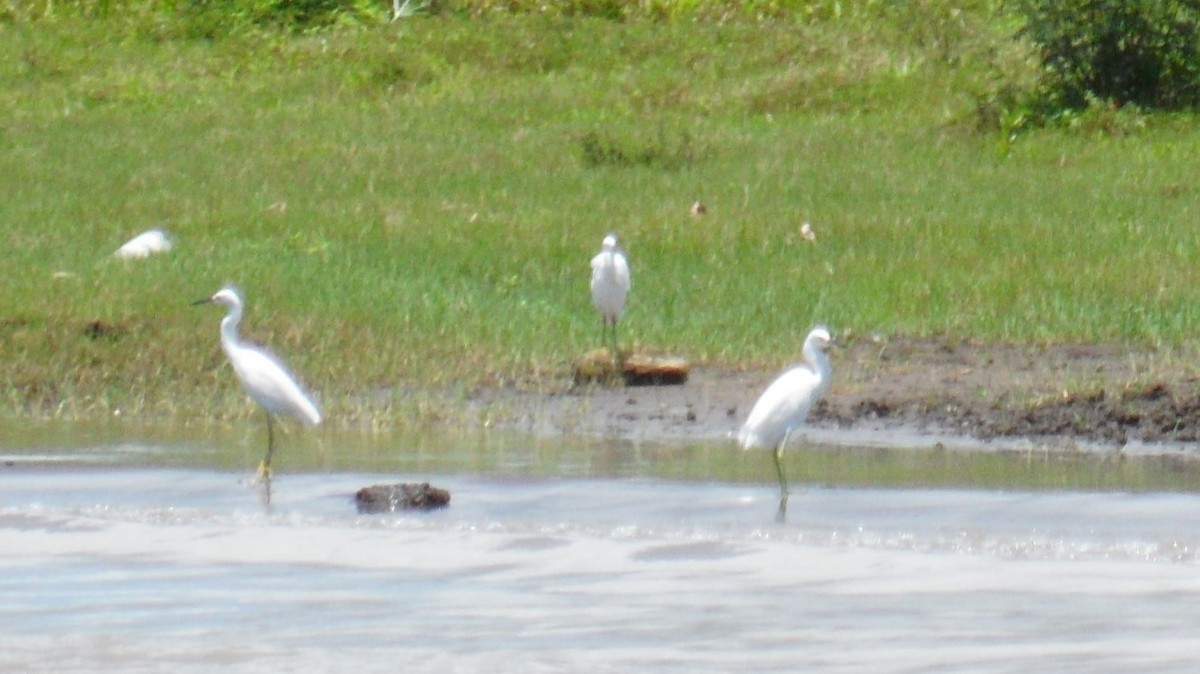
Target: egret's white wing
x=610 y=283
x=621 y=272
x=781 y=408
x=269 y=383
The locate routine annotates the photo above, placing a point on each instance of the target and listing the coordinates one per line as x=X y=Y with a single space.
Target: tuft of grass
x=660 y=151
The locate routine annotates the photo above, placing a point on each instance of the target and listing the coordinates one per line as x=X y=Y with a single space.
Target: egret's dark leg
x=266 y=494
x=270 y=442
x=264 y=468
x=783 y=487
x=608 y=337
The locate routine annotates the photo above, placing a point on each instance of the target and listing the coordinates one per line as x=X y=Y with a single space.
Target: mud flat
x=918 y=392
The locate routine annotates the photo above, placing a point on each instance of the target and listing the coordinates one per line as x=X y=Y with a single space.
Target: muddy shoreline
x=913 y=392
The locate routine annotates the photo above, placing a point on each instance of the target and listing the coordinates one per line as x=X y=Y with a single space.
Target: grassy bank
x=413 y=205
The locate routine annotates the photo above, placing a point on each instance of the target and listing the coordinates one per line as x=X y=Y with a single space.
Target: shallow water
x=115 y=559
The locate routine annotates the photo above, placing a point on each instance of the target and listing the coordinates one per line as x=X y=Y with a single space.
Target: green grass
x=413 y=205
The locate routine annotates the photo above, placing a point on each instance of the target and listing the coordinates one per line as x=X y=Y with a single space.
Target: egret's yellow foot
x=264 y=473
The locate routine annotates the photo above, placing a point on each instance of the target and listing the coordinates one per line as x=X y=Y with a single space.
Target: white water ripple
x=160 y=570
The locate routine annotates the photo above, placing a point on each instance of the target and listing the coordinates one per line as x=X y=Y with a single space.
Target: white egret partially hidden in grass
x=785 y=405
x=265 y=378
x=610 y=286
x=145 y=244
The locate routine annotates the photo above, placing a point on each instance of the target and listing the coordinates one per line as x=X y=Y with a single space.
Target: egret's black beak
x=206 y=300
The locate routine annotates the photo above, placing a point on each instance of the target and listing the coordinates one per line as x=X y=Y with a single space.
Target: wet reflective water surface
x=591 y=557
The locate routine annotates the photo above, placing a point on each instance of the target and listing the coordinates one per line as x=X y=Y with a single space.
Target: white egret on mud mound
x=785 y=405
x=610 y=285
x=265 y=378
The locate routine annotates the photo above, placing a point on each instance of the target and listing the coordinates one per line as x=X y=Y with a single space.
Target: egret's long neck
x=229 y=325
x=816 y=358
x=610 y=264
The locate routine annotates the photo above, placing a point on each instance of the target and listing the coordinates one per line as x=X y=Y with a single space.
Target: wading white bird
x=784 y=406
x=265 y=378
x=610 y=285
x=144 y=245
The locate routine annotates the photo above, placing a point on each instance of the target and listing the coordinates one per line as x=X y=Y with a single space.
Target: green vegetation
x=1140 y=52
x=412 y=205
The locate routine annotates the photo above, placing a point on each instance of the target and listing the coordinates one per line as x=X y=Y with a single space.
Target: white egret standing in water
x=785 y=405
x=610 y=285
x=265 y=378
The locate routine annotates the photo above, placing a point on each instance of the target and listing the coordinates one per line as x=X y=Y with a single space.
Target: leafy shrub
x=1141 y=52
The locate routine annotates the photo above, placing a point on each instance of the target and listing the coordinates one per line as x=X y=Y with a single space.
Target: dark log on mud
x=631 y=369
x=388 y=498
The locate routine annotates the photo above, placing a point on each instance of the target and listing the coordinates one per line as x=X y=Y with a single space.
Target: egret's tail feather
x=308 y=412
x=747 y=439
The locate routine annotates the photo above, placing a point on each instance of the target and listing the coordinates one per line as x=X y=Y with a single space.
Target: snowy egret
x=144 y=245
x=265 y=378
x=785 y=404
x=610 y=285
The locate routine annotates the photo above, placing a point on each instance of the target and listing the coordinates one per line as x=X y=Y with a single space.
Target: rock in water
x=388 y=498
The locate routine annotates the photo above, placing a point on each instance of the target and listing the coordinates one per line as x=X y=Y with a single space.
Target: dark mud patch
x=1053 y=393
x=1153 y=413
x=1096 y=393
